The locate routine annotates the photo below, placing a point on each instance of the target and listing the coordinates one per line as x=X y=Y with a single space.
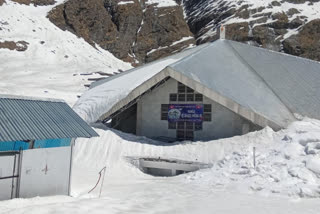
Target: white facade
x=224 y=123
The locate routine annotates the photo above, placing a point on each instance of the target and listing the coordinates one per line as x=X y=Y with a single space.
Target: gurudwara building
x=216 y=90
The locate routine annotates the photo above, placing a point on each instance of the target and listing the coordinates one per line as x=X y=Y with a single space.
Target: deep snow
x=55 y=62
x=284 y=181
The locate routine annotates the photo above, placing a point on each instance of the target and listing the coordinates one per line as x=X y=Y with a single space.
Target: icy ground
x=286 y=178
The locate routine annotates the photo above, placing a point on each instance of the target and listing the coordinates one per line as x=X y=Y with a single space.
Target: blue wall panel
x=13 y=146
x=49 y=143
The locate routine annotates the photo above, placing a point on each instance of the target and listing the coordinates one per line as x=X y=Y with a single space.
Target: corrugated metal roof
x=30 y=119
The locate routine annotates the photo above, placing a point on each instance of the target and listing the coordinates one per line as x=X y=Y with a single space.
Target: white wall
x=225 y=123
x=45 y=172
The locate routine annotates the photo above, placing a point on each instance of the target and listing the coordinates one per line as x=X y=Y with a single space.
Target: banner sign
x=185 y=113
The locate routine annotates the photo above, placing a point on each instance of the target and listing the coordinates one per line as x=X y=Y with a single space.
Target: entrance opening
x=169 y=167
x=126 y=120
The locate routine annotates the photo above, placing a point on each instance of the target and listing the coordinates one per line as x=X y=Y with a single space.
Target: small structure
x=169 y=167
x=215 y=90
x=36 y=140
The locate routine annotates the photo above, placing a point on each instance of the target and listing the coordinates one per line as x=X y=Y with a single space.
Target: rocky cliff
x=135 y=31
x=290 y=26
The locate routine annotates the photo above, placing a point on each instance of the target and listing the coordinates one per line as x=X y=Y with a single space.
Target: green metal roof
x=24 y=118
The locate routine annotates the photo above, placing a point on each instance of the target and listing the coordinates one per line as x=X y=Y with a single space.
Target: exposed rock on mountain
x=18 y=46
x=289 y=26
x=36 y=2
x=306 y=43
x=135 y=31
x=2 y=2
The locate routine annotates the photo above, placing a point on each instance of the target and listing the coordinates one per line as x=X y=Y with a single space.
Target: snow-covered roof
x=266 y=87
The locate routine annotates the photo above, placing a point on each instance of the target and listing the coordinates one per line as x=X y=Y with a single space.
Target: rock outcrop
x=134 y=31
x=306 y=43
x=268 y=24
x=18 y=46
x=2 y=2
x=36 y=2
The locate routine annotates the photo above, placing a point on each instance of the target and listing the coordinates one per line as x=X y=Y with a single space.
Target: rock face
x=18 y=46
x=306 y=43
x=268 y=24
x=2 y=2
x=35 y=2
x=134 y=31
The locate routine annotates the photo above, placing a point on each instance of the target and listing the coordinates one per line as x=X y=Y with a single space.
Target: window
x=173 y=97
x=181 y=88
x=189 y=125
x=181 y=97
x=172 y=125
x=164 y=111
x=189 y=135
x=190 y=90
x=198 y=97
x=207 y=108
x=190 y=97
x=181 y=125
x=164 y=116
x=185 y=131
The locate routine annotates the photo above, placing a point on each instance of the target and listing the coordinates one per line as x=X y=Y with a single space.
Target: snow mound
x=283 y=165
x=56 y=63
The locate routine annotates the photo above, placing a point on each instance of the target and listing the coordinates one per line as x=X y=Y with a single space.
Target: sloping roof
x=24 y=118
x=106 y=93
x=260 y=81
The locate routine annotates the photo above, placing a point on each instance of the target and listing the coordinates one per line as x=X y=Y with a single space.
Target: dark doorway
x=126 y=120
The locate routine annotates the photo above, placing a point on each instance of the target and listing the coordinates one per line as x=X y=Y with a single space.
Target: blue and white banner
x=185 y=113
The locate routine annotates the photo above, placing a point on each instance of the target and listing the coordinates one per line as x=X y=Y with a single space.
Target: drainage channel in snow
x=167 y=167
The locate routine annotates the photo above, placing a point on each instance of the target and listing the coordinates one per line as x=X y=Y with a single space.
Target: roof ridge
x=206 y=45
x=275 y=52
x=30 y=98
x=246 y=63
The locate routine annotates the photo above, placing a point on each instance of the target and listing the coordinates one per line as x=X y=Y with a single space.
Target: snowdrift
x=287 y=162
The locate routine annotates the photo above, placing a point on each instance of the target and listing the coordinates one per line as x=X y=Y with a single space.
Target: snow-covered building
x=212 y=91
x=36 y=140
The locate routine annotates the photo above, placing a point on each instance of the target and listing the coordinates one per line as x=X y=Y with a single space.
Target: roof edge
x=17 y=97
x=246 y=113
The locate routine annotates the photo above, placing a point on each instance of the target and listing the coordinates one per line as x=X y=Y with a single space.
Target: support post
x=72 y=144
x=13 y=176
x=19 y=173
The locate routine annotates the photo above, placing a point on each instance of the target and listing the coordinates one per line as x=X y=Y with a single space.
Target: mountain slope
x=135 y=31
x=39 y=59
x=291 y=26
